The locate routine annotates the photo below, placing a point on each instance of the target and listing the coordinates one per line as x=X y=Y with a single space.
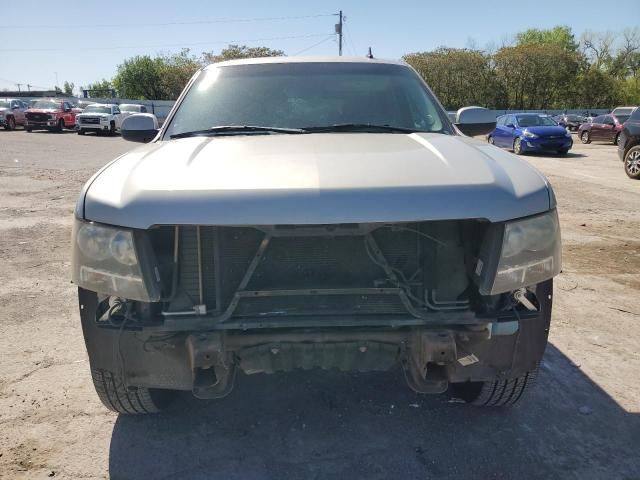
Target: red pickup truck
x=53 y=114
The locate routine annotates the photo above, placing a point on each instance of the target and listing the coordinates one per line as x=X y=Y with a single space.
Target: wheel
x=517 y=146
x=490 y=140
x=563 y=152
x=585 y=137
x=81 y=131
x=28 y=129
x=112 y=128
x=60 y=126
x=11 y=124
x=616 y=141
x=632 y=163
x=498 y=393
x=133 y=400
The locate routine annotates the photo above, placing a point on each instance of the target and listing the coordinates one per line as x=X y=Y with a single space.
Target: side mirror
x=510 y=125
x=139 y=127
x=475 y=121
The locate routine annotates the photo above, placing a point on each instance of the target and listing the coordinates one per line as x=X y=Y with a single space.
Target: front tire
x=490 y=140
x=60 y=126
x=497 y=393
x=11 y=124
x=563 y=152
x=81 y=131
x=585 y=137
x=616 y=140
x=129 y=401
x=632 y=163
x=112 y=129
x=517 y=146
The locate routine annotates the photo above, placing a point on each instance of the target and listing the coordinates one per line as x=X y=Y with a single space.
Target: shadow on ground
x=334 y=425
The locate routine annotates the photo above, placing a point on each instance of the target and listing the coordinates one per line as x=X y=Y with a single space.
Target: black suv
x=629 y=145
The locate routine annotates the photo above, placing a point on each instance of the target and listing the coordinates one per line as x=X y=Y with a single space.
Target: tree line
x=538 y=69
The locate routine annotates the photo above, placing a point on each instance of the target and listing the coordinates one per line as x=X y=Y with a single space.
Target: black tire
x=27 y=129
x=632 y=163
x=563 y=152
x=112 y=128
x=490 y=140
x=585 y=137
x=498 y=393
x=11 y=124
x=60 y=126
x=130 y=401
x=81 y=131
x=616 y=139
x=517 y=146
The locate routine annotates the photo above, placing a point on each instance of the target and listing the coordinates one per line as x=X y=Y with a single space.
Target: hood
x=546 y=131
x=42 y=110
x=94 y=114
x=313 y=179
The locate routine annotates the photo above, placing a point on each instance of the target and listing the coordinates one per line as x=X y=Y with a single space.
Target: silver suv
x=12 y=112
x=300 y=213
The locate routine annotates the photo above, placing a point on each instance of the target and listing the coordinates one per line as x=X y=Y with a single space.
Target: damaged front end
x=184 y=307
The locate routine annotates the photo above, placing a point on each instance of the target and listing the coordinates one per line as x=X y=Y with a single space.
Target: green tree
x=459 y=77
x=234 y=52
x=68 y=87
x=102 y=88
x=560 y=36
x=140 y=77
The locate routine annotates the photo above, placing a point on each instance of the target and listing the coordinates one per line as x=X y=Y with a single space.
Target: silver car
x=301 y=213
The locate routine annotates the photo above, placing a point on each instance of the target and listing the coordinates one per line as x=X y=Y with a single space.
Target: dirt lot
x=582 y=422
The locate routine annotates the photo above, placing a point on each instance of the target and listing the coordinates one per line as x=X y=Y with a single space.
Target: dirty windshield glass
x=97 y=109
x=307 y=95
x=46 y=105
x=535 y=121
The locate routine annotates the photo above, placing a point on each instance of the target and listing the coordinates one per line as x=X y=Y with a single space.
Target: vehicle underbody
x=363 y=297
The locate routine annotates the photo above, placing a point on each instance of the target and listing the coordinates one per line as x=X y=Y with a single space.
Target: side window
x=608 y=119
x=66 y=105
x=599 y=119
x=143 y=109
x=116 y=110
x=512 y=120
x=500 y=120
x=15 y=103
x=635 y=115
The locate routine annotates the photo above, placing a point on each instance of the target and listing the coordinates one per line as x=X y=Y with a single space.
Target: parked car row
x=58 y=114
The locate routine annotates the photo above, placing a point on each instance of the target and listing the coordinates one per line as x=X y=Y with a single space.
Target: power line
x=166 y=24
x=329 y=37
x=75 y=49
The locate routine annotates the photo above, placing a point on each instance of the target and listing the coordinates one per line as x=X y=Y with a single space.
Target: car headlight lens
x=105 y=260
x=530 y=253
x=52 y=116
x=529 y=134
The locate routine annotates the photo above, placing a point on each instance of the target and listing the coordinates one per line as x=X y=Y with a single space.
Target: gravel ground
x=582 y=421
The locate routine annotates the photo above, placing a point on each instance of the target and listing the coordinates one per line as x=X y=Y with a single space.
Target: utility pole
x=19 y=85
x=339 y=32
x=29 y=86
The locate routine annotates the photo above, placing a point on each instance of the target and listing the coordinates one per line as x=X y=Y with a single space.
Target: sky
x=48 y=43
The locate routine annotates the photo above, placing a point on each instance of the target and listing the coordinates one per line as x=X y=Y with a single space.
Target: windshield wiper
x=235 y=129
x=359 y=127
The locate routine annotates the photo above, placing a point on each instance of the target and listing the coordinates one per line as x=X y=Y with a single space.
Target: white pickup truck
x=99 y=118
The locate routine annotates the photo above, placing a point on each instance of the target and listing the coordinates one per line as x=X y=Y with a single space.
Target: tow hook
x=520 y=296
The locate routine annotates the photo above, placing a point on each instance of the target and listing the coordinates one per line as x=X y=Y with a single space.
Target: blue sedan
x=530 y=132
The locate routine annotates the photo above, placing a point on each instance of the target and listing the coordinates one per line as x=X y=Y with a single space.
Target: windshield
x=46 y=105
x=535 y=121
x=129 y=108
x=4 y=104
x=574 y=118
x=97 y=109
x=306 y=95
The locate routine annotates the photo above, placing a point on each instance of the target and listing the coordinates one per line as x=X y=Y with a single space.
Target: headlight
x=52 y=116
x=106 y=260
x=530 y=253
x=529 y=134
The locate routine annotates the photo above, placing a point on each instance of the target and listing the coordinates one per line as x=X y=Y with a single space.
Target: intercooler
x=284 y=271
